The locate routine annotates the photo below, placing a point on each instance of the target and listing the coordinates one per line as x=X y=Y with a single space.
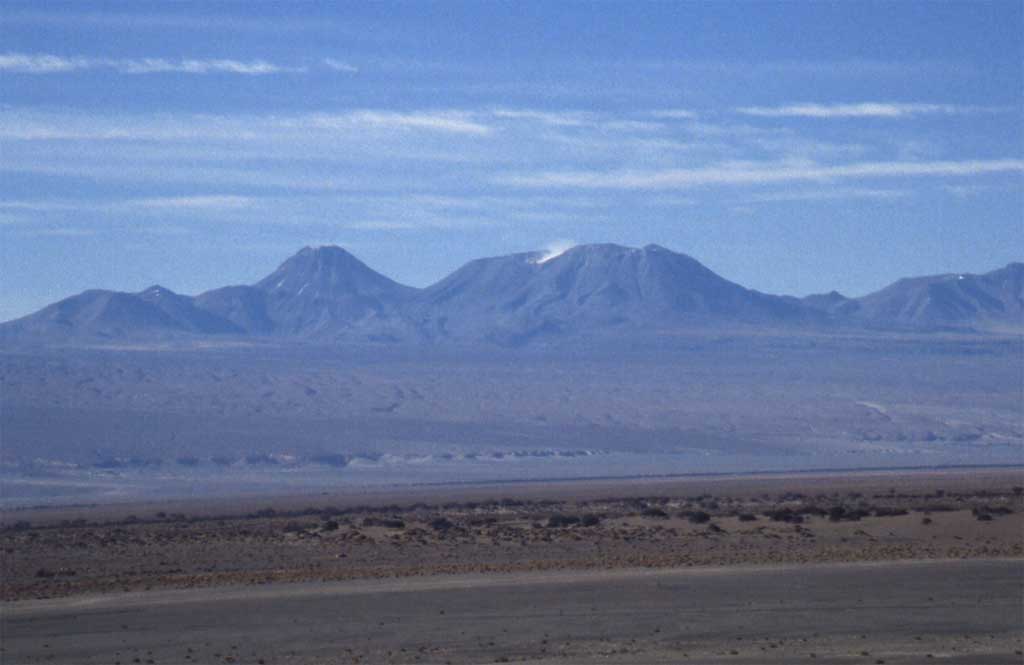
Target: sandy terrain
x=663 y=525
x=882 y=567
x=966 y=612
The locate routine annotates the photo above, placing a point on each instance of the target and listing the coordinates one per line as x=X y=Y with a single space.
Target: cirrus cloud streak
x=752 y=173
x=859 y=110
x=46 y=63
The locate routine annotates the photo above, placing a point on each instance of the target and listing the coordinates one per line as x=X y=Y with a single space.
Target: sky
x=792 y=147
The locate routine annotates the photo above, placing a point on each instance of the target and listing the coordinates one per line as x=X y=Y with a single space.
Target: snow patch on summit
x=555 y=249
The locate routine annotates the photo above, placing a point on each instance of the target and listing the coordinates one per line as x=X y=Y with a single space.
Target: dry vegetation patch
x=327 y=543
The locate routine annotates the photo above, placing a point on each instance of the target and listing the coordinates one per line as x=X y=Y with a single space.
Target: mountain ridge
x=327 y=294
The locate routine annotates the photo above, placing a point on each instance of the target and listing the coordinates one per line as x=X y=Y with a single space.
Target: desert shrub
x=330 y=525
x=654 y=512
x=697 y=516
x=988 y=513
x=784 y=515
x=747 y=517
x=590 y=519
x=383 y=521
x=714 y=528
x=21 y=525
x=558 y=520
x=844 y=514
x=926 y=521
x=882 y=511
x=294 y=527
x=441 y=524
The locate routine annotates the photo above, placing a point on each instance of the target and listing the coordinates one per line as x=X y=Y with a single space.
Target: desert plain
x=873 y=567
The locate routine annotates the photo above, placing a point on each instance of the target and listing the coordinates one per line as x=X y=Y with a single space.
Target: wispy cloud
x=576 y=119
x=832 y=194
x=157 y=65
x=419 y=220
x=859 y=110
x=674 y=114
x=204 y=202
x=554 y=118
x=382 y=225
x=40 y=206
x=46 y=63
x=442 y=121
x=967 y=191
x=60 y=232
x=302 y=128
x=753 y=173
x=340 y=66
x=218 y=201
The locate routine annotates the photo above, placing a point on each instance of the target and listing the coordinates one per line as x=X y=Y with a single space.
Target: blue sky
x=791 y=147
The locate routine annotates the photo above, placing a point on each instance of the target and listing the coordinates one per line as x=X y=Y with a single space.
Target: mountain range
x=326 y=294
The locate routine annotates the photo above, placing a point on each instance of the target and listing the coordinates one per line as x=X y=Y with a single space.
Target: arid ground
x=880 y=567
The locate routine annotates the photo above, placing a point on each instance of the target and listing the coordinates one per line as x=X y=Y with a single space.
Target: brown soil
x=752 y=521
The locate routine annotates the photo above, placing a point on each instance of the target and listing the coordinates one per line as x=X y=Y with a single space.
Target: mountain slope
x=325 y=291
x=244 y=306
x=110 y=315
x=182 y=310
x=590 y=288
x=956 y=300
x=833 y=302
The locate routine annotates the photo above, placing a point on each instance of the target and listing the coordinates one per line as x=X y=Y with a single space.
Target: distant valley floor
x=85 y=426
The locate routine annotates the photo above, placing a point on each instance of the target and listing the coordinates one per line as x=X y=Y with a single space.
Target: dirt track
x=958 y=611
